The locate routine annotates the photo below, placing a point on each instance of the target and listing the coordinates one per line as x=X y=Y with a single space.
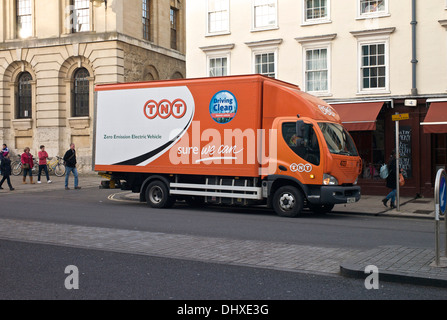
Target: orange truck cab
x=236 y=140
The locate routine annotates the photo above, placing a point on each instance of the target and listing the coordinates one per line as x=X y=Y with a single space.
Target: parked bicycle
x=17 y=169
x=56 y=165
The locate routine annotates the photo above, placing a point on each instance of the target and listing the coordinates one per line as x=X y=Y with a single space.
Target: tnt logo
x=165 y=109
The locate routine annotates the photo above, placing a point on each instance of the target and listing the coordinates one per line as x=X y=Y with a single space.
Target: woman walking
x=391 y=181
x=6 y=171
x=27 y=165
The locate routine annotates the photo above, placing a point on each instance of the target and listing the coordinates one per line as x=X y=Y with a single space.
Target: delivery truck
x=234 y=140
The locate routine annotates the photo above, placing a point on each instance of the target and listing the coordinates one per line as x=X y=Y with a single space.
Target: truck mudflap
x=334 y=195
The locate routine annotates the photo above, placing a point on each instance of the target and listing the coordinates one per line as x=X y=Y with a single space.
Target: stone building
x=53 y=53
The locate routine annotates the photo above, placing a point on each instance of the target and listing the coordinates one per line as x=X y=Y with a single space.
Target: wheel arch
x=148 y=181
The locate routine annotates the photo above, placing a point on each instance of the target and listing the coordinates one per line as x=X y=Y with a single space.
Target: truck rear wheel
x=288 y=201
x=157 y=195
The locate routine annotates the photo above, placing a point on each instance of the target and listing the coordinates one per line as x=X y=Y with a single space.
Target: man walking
x=70 y=165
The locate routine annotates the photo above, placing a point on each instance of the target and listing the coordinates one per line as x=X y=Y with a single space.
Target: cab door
x=300 y=154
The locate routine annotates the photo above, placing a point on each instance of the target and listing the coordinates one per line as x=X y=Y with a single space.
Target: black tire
x=322 y=208
x=157 y=195
x=288 y=202
x=16 y=168
x=59 y=170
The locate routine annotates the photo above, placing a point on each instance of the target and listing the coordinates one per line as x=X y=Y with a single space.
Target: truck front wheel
x=157 y=195
x=288 y=201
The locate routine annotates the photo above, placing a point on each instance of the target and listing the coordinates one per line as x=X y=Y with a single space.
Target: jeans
x=67 y=173
x=392 y=196
x=45 y=169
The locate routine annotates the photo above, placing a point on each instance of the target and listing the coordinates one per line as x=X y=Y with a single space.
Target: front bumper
x=334 y=195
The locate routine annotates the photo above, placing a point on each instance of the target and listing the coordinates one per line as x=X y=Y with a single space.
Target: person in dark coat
x=391 y=181
x=6 y=171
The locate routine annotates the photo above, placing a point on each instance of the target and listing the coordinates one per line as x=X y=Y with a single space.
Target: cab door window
x=307 y=146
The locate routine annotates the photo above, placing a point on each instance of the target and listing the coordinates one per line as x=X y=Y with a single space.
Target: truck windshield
x=338 y=139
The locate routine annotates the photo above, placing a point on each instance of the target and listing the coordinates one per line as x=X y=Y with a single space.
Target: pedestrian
x=3 y=153
x=6 y=171
x=391 y=181
x=70 y=165
x=5 y=149
x=27 y=165
x=43 y=155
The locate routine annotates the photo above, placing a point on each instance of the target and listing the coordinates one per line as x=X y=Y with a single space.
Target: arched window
x=81 y=93
x=24 y=96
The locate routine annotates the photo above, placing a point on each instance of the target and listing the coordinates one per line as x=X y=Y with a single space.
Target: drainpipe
x=414 y=61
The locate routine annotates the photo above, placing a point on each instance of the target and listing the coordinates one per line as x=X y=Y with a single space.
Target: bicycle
x=17 y=169
x=56 y=165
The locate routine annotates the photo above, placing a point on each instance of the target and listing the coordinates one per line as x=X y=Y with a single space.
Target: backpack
x=384 y=171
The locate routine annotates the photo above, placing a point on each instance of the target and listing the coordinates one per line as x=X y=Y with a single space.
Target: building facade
x=53 y=53
x=370 y=59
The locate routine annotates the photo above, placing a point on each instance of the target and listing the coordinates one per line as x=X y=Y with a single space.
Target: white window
x=81 y=15
x=316 y=11
x=265 y=56
x=373 y=67
x=264 y=14
x=372 y=8
x=265 y=64
x=218 y=16
x=317 y=70
x=373 y=60
x=24 y=19
x=217 y=66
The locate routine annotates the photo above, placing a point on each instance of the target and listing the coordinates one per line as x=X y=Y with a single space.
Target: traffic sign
x=400 y=116
x=442 y=195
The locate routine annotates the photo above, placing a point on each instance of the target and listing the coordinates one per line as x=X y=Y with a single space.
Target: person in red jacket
x=27 y=165
x=43 y=155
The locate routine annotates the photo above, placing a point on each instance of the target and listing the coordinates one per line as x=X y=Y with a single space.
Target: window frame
x=318 y=46
x=147 y=19
x=217 y=56
x=19 y=15
x=379 y=90
x=74 y=108
x=377 y=14
x=29 y=108
x=266 y=52
x=173 y=27
x=225 y=30
x=75 y=20
x=306 y=21
x=254 y=27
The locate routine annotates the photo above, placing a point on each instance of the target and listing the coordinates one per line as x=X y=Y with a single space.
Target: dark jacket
x=391 y=179
x=5 y=167
x=70 y=158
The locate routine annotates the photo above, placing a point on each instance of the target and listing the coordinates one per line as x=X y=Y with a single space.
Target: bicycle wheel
x=35 y=168
x=59 y=170
x=16 y=168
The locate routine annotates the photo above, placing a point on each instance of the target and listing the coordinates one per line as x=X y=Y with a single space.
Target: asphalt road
x=36 y=271
x=92 y=207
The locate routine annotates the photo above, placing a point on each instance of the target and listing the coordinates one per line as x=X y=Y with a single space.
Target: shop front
x=422 y=141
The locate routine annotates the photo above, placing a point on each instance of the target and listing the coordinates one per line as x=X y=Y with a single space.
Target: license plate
x=350 y=200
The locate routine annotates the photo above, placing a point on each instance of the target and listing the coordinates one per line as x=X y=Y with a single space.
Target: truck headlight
x=329 y=180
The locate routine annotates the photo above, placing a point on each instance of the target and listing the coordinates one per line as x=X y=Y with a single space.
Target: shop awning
x=359 y=116
x=436 y=119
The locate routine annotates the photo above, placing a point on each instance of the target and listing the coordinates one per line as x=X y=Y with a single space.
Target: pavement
x=393 y=263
